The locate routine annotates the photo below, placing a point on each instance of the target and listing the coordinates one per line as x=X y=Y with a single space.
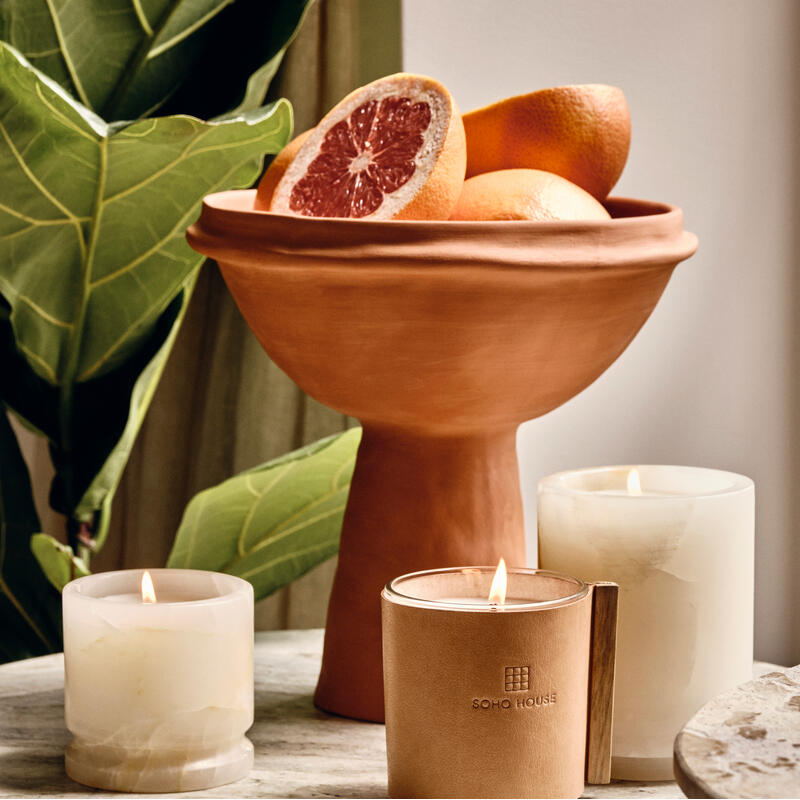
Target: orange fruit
x=525 y=194
x=393 y=149
x=581 y=133
x=275 y=171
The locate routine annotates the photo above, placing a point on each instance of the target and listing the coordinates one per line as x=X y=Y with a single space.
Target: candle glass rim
x=391 y=593
x=235 y=586
x=556 y=483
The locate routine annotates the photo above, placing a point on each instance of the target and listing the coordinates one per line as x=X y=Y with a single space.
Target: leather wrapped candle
x=488 y=699
x=158 y=691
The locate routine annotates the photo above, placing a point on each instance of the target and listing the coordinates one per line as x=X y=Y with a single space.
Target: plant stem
x=80 y=537
x=85 y=554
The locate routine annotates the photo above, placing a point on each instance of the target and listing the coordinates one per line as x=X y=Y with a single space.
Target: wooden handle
x=601 y=682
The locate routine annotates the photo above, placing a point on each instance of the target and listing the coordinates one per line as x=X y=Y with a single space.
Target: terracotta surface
x=455 y=724
x=441 y=337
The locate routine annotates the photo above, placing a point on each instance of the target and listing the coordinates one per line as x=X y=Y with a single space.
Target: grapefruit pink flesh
x=393 y=149
x=363 y=158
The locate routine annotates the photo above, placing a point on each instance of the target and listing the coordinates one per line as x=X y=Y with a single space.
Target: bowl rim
x=658 y=209
x=231 y=231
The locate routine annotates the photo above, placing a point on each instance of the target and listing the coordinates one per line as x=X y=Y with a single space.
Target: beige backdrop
x=712 y=379
x=222 y=405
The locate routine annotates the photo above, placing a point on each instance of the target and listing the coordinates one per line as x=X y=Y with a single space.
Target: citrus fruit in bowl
x=581 y=133
x=530 y=194
x=393 y=149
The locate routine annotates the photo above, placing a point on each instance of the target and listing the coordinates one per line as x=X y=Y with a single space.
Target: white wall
x=712 y=87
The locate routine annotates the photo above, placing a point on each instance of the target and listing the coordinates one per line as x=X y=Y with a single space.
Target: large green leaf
x=272 y=524
x=92 y=253
x=125 y=58
x=30 y=608
x=57 y=561
x=105 y=209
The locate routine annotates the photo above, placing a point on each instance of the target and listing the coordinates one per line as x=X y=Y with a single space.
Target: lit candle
x=495 y=600
x=679 y=542
x=158 y=679
x=496 y=690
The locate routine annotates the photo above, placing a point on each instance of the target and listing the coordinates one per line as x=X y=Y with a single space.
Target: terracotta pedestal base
x=410 y=494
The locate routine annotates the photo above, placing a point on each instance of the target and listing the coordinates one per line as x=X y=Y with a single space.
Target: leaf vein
x=53 y=51
x=142 y=17
x=296 y=554
x=51 y=375
x=62 y=118
x=66 y=56
x=279 y=532
x=44 y=314
x=36 y=222
x=261 y=495
x=187 y=31
x=159 y=172
x=33 y=179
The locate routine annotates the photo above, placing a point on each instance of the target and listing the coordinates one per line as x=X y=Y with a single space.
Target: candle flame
x=634 y=485
x=148 y=590
x=497 y=593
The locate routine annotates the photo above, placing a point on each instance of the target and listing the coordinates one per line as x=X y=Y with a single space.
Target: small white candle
x=680 y=545
x=158 y=692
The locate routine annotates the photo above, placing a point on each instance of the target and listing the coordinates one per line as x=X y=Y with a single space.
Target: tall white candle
x=680 y=546
x=158 y=695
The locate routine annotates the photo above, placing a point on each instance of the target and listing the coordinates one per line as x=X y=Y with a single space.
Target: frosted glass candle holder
x=158 y=696
x=681 y=551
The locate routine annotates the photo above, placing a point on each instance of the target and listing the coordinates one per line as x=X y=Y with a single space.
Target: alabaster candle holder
x=679 y=542
x=441 y=338
x=497 y=700
x=158 y=694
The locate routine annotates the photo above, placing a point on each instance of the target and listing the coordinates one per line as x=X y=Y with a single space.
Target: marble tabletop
x=300 y=751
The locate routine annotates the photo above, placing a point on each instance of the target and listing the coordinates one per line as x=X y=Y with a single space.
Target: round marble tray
x=745 y=743
x=300 y=751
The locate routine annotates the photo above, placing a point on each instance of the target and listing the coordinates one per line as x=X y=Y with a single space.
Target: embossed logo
x=517 y=679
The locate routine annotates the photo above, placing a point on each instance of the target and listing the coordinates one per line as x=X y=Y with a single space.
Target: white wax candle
x=163 y=597
x=158 y=695
x=682 y=554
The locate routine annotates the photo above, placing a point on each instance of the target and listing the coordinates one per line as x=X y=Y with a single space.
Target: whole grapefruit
x=525 y=194
x=581 y=133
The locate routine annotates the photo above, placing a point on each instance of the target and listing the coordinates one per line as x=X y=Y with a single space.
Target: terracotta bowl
x=441 y=337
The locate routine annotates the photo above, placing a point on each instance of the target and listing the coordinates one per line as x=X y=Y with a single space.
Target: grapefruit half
x=393 y=149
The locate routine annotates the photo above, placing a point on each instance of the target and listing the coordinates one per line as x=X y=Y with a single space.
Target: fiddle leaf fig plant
x=273 y=523
x=77 y=214
x=95 y=273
